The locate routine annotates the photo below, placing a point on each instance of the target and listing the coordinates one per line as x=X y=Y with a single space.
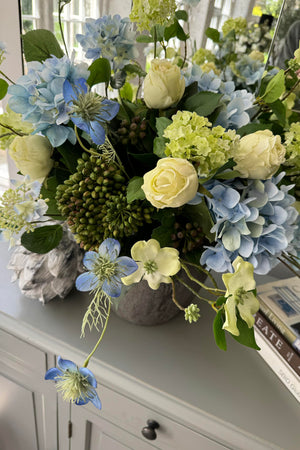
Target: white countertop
x=177 y=358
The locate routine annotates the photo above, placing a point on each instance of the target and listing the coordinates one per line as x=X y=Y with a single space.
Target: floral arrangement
x=196 y=173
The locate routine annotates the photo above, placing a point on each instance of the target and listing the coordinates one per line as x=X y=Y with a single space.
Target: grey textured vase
x=144 y=306
x=45 y=276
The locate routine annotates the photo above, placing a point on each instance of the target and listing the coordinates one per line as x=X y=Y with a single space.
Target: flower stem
x=173 y=296
x=154 y=40
x=60 y=10
x=288 y=266
x=214 y=291
x=82 y=145
x=100 y=339
x=191 y=289
x=5 y=76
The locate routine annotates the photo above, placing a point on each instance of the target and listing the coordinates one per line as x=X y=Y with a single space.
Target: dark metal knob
x=149 y=431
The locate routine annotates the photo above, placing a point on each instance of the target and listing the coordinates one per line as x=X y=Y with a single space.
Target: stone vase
x=142 y=305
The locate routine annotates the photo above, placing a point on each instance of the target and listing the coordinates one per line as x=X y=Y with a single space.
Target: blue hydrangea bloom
x=253 y=219
x=105 y=269
x=38 y=96
x=109 y=37
x=89 y=120
x=237 y=105
x=77 y=385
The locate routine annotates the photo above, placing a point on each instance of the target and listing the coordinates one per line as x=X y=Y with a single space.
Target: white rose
x=164 y=85
x=172 y=183
x=259 y=155
x=32 y=156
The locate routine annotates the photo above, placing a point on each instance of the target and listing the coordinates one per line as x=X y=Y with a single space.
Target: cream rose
x=32 y=156
x=259 y=155
x=164 y=85
x=172 y=183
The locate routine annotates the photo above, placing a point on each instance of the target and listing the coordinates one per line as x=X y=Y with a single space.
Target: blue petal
x=112 y=287
x=57 y=135
x=110 y=110
x=81 y=124
x=80 y=401
x=126 y=265
x=97 y=133
x=96 y=401
x=66 y=364
x=90 y=259
x=51 y=374
x=86 y=282
x=89 y=375
x=110 y=248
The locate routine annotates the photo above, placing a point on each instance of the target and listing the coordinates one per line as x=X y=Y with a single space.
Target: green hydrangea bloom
x=192 y=137
x=147 y=13
x=203 y=55
x=10 y=122
x=239 y=25
x=292 y=142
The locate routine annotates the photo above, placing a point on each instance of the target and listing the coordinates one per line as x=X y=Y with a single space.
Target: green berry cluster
x=187 y=236
x=93 y=201
x=132 y=132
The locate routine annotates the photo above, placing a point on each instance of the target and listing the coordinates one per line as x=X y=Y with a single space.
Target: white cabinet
x=27 y=404
x=202 y=398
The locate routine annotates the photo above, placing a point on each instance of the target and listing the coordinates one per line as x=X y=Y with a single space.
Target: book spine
x=278 y=342
x=278 y=323
x=278 y=365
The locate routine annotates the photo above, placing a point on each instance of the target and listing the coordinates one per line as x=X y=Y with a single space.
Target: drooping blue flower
x=38 y=96
x=105 y=269
x=77 y=385
x=109 y=37
x=259 y=226
x=88 y=110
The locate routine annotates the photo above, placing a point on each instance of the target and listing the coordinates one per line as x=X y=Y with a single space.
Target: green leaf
x=200 y=214
x=70 y=154
x=219 y=333
x=144 y=39
x=135 y=68
x=159 y=145
x=42 y=239
x=161 y=124
x=99 y=72
x=275 y=88
x=213 y=34
x=39 y=45
x=170 y=32
x=126 y=92
x=203 y=103
x=181 y=14
x=229 y=175
x=3 y=88
x=48 y=191
x=134 y=191
x=180 y=33
x=246 y=336
x=221 y=300
x=253 y=127
x=279 y=109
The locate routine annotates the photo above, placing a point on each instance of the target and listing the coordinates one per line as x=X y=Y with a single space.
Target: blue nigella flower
x=77 y=385
x=88 y=110
x=105 y=269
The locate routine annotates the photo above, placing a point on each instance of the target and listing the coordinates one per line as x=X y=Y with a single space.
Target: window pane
x=26 y=7
x=27 y=25
x=55 y=6
x=76 y=7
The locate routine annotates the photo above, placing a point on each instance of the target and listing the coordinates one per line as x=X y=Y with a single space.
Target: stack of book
x=277 y=330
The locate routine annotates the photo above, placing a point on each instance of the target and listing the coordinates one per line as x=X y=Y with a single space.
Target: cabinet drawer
x=132 y=417
x=20 y=354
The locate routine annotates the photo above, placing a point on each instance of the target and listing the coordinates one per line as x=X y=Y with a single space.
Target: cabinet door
x=27 y=404
x=91 y=432
x=16 y=403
